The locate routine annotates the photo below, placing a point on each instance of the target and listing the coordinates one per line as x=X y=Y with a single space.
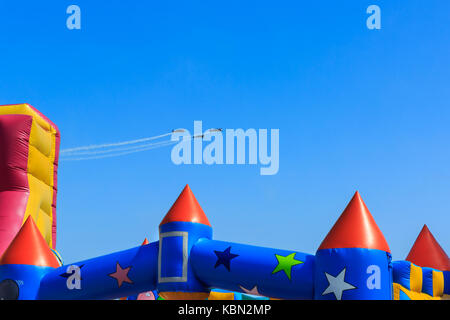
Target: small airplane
x=210 y=130
x=201 y=135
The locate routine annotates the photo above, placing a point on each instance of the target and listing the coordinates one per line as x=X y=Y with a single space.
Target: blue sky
x=357 y=109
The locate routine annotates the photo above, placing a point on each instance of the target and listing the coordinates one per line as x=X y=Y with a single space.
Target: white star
x=337 y=285
x=253 y=291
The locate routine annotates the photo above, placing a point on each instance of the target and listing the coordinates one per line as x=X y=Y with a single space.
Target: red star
x=121 y=275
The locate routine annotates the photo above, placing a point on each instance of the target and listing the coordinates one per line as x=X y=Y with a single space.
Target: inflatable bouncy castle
x=352 y=262
x=29 y=146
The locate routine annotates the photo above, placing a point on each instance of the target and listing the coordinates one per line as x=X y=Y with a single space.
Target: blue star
x=224 y=258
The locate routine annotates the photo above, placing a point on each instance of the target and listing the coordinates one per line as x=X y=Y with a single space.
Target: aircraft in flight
x=201 y=135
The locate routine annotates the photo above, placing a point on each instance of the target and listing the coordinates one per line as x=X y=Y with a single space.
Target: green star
x=286 y=264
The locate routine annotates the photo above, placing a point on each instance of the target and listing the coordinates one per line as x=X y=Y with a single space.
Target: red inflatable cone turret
x=355 y=228
x=145 y=242
x=29 y=248
x=181 y=228
x=353 y=254
x=426 y=252
x=186 y=209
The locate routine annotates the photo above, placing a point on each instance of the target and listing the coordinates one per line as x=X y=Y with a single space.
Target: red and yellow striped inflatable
x=29 y=151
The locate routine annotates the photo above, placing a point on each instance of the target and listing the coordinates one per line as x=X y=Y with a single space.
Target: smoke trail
x=111 y=150
x=143 y=148
x=116 y=144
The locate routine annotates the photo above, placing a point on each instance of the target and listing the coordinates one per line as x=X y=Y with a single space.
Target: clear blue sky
x=357 y=109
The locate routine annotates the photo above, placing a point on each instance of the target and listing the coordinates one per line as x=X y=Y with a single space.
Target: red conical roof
x=186 y=209
x=145 y=242
x=30 y=248
x=355 y=228
x=426 y=252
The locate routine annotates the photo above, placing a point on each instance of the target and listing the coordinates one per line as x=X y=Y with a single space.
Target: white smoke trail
x=116 y=144
x=111 y=150
x=143 y=148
